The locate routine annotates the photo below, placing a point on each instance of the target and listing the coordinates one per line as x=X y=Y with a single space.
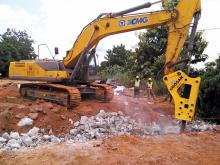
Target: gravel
x=102 y=125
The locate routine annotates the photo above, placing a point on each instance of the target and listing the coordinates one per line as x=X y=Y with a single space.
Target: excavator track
x=60 y=94
x=103 y=92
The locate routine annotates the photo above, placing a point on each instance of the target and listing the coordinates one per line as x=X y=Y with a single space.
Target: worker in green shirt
x=150 y=92
x=137 y=87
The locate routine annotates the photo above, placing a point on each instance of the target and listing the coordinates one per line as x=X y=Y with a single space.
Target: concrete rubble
x=25 y=122
x=119 y=90
x=199 y=125
x=102 y=125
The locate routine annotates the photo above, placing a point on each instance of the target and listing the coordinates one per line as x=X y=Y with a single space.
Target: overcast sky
x=57 y=23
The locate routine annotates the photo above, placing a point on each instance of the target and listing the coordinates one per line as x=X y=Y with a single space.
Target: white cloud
x=18 y=18
x=57 y=23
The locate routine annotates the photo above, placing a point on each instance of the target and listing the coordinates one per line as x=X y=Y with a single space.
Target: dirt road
x=191 y=148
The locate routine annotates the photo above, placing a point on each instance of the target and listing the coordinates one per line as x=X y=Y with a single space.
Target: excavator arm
x=178 y=22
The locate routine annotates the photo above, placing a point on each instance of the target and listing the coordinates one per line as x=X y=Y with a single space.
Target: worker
x=150 y=92
x=137 y=87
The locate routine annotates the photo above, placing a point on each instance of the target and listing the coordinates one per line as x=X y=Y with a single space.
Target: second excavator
x=65 y=82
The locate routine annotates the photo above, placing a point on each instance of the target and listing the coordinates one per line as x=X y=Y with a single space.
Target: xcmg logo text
x=133 y=21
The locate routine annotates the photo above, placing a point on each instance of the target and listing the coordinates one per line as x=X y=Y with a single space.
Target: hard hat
x=149 y=79
x=137 y=77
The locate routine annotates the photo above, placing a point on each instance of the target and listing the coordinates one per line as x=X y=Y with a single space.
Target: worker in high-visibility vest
x=150 y=92
x=137 y=86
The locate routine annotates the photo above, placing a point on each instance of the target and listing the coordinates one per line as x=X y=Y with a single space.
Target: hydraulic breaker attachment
x=184 y=90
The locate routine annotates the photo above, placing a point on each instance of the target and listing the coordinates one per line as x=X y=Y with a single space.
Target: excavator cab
x=92 y=68
x=88 y=69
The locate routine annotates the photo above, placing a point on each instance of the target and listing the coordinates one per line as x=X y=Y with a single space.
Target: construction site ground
x=186 y=148
x=191 y=148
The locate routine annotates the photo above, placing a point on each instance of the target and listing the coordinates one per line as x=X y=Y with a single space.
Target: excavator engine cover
x=184 y=105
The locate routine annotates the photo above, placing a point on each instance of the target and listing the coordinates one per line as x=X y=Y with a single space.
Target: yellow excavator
x=65 y=82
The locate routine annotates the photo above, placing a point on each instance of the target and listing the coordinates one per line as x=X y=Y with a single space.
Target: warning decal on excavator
x=176 y=83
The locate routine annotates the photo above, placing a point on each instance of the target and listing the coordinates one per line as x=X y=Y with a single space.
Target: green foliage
x=159 y=87
x=117 y=73
x=119 y=65
x=117 y=56
x=198 y=48
x=169 y=4
x=14 y=46
x=152 y=47
x=209 y=104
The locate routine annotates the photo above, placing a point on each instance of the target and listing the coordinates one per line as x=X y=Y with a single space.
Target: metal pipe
x=145 y=5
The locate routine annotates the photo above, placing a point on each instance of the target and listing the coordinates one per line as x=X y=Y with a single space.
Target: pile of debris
x=111 y=124
x=103 y=125
x=199 y=125
x=33 y=138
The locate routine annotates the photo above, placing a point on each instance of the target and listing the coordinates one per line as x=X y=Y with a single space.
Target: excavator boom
x=108 y=25
x=178 y=22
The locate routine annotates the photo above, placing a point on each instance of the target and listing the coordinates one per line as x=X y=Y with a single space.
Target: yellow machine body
x=31 y=70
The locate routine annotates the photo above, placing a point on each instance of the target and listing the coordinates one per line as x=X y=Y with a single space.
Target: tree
x=210 y=91
x=118 y=55
x=118 y=65
x=152 y=47
x=14 y=46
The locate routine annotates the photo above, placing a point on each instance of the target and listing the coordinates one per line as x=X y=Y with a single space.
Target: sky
x=57 y=23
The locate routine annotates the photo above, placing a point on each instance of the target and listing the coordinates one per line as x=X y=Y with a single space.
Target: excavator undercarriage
x=68 y=96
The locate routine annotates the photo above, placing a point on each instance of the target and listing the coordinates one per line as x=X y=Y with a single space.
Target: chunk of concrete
x=27 y=140
x=13 y=144
x=33 y=132
x=6 y=136
x=25 y=122
x=14 y=135
x=55 y=139
x=73 y=131
x=83 y=119
x=2 y=140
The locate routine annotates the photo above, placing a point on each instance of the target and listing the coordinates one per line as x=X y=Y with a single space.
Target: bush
x=117 y=73
x=14 y=46
x=209 y=99
x=159 y=87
